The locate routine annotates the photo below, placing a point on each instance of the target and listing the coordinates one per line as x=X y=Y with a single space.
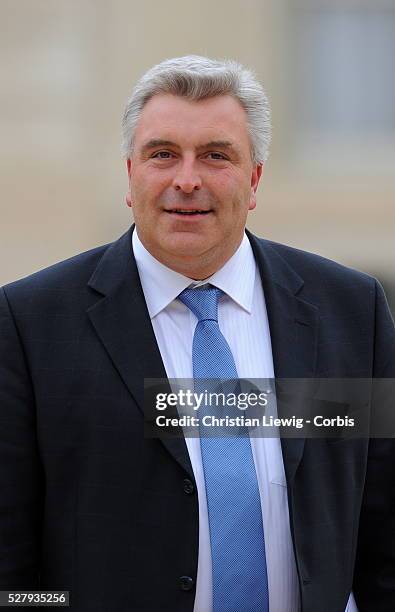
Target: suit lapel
x=122 y=322
x=293 y=325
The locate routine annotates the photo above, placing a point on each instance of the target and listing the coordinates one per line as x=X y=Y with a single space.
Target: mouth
x=187 y=212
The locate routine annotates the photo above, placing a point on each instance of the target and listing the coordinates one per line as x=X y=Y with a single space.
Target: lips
x=187 y=211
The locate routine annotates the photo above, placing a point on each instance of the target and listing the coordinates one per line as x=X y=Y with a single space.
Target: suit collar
x=115 y=267
x=273 y=267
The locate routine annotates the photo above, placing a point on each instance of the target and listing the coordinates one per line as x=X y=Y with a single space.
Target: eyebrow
x=157 y=142
x=218 y=144
x=160 y=142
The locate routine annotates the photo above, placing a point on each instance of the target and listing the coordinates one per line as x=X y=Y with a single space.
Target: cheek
x=147 y=189
x=229 y=185
x=221 y=182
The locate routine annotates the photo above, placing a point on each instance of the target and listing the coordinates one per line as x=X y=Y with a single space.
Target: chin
x=187 y=246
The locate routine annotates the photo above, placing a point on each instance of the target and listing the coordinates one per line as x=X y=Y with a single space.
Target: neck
x=198 y=267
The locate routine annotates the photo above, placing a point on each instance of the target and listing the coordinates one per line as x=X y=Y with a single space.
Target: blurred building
x=68 y=66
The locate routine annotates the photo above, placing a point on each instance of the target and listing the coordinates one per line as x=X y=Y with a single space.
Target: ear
x=255 y=178
x=128 y=196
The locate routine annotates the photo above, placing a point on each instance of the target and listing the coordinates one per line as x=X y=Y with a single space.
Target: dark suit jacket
x=89 y=505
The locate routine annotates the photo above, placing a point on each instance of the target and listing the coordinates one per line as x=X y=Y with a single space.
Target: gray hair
x=195 y=78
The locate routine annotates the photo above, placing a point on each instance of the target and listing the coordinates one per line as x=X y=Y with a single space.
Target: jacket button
x=189 y=487
x=186 y=583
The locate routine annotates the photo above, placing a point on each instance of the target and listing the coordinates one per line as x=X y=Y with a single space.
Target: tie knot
x=202 y=301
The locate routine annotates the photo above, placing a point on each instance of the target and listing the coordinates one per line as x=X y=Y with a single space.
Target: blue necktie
x=234 y=508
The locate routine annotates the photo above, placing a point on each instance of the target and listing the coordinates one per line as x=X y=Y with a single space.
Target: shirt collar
x=161 y=285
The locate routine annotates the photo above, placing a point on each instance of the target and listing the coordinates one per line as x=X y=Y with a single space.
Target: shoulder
x=315 y=269
x=64 y=273
x=66 y=286
x=59 y=283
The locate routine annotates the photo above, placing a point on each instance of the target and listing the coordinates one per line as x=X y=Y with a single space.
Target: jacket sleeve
x=21 y=475
x=374 y=576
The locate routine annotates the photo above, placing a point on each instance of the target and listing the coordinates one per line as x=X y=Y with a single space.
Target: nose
x=187 y=179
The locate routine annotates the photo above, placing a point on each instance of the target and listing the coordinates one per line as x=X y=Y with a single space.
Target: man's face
x=192 y=181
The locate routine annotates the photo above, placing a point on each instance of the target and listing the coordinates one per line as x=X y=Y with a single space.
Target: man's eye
x=162 y=155
x=215 y=155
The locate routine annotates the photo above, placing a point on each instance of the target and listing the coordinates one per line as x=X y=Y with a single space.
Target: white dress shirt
x=242 y=318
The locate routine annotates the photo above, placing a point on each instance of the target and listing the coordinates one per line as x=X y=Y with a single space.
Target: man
x=127 y=522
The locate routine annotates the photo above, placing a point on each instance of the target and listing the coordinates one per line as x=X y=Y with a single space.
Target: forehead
x=173 y=117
